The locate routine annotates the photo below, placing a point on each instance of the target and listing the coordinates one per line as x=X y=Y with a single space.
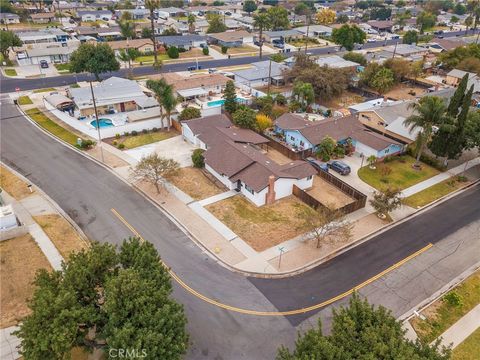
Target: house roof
x=232 y=152
x=335 y=61
x=172 y=10
x=80 y=13
x=228 y=36
x=113 y=90
x=52 y=49
x=314 y=28
x=283 y=33
x=337 y=128
x=43 y=15
x=261 y=69
x=448 y=44
x=179 y=39
x=9 y=16
x=460 y=74
x=383 y=24
x=405 y=49
x=132 y=43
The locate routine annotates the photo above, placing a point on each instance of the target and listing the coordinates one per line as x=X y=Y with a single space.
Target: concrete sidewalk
x=462 y=329
x=440 y=177
x=9 y=344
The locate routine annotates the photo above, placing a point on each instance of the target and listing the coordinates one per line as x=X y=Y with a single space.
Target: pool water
x=102 y=123
x=222 y=101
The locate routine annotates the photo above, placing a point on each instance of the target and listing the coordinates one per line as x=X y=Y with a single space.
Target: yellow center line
x=276 y=313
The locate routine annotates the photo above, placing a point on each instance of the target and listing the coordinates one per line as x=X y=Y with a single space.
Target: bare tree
x=386 y=201
x=326 y=224
x=154 y=169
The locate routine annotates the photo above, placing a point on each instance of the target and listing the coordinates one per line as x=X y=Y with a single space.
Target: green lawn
x=43 y=90
x=52 y=127
x=149 y=58
x=441 y=314
x=63 y=68
x=24 y=100
x=433 y=193
x=400 y=176
x=10 y=72
x=469 y=349
x=131 y=142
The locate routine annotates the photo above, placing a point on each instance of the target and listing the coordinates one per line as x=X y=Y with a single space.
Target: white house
x=94 y=15
x=8 y=18
x=234 y=156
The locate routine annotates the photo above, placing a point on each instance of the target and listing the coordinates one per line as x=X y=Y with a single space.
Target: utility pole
x=395 y=50
x=308 y=28
x=269 y=76
x=98 y=122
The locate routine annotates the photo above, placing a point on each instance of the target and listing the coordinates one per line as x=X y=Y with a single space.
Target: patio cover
x=192 y=92
x=58 y=100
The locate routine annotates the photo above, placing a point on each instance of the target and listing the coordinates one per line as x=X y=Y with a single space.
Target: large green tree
x=95 y=59
x=249 y=6
x=8 y=40
x=348 y=35
x=361 y=331
x=278 y=18
x=383 y=80
x=410 y=37
x=426 y=20
x=245 y=117
x=215 y=24
x=105 y=298
x=429 y=111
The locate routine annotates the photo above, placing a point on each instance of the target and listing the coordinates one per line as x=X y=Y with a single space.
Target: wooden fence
x=360 y=198
x=294 y=155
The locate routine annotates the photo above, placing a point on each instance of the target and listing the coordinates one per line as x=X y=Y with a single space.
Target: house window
x=302 y=143
x=387 y=151
x=249 y=189
x=310 y=177
x=292 y=138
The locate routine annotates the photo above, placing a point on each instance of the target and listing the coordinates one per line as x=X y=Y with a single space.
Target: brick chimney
x=270 y=195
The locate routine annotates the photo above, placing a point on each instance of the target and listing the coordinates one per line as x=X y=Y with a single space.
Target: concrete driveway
x=173 y=148
x=36 y=70
x=355 y=163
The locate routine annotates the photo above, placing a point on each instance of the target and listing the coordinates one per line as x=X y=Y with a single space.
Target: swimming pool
x=102 y=123
x=220 y=102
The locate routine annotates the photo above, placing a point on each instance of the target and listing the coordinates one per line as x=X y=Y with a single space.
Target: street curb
x=278 y=275
x=51 y=201
x=438 y=294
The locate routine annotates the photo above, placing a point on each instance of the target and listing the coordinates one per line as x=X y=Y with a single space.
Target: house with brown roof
x=231 y=38
x=42 y=18
x=142 y=45
x=235 y=157
x=302 y=134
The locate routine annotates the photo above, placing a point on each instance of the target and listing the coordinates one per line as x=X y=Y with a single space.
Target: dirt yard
x=277 y=156
x=20 y=258
x=13 y=185
x=62 y=234
x=193 y=182
x=328 y=194
x=245 y=49
x=194 y=52
x=405 y=92
x=110 y=159
x=265 y=226
x=347 y=99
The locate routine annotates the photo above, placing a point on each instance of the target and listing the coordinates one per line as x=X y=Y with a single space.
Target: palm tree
x=127 y=29
x=261 y=22
x=191 y=23
x=128 y=55
x=153 y=5
x=169 y=101
x=158 y=86
x=428 y=112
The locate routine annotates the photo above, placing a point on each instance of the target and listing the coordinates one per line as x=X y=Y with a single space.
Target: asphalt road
x=9 y=85
x=88 y=192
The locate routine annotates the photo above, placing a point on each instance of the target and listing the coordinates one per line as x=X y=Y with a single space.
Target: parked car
x=193 y=68
x=44 y=64
x=317 y=164
x=340 y=167
x=257 y=43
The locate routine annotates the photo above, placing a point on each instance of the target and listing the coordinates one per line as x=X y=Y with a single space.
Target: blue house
x=302 y=134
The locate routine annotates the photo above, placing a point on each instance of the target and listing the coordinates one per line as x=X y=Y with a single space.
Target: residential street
x=88 y=193
x=9 y=85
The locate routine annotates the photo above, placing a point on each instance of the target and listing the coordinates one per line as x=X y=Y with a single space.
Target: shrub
x=263 y=122
x=87 y=144
x=339 y=151
x=126 y=133
x=145 y=131
x=134 y=133
x=453 y=299
x=117 y=136
x=173 y=52
x=121 y=146
x=189 y=113
x=205 y=51
x=115 y=142
x=462 y=178
x=198 y=159
x=154 y=129
x=224 y=49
